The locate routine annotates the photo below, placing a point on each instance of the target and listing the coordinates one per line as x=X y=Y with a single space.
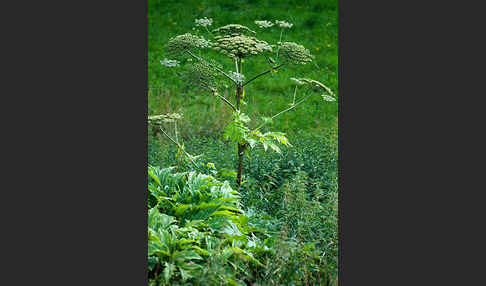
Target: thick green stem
x=241 y=147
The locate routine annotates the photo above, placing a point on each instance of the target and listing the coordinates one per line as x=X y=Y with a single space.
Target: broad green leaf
x=154 y=177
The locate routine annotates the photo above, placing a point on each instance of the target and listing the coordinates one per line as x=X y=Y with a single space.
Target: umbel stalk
x=241 y=147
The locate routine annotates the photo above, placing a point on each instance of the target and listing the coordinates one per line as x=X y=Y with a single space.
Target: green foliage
x=301 y=182
x=203 y=116
x=198 y=234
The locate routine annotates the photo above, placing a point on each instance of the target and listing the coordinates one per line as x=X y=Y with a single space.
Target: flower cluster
x=169 y=63
x=298 y=81
x=203 y=75
x=264 y=24
x=186 y=42
x=204 y=22
x=238 y=77
x=164 y=118
x=240 y=46
x=284 y=24
x=295 y=53
x=263 y=47
x=235 y=29
x=318 y=85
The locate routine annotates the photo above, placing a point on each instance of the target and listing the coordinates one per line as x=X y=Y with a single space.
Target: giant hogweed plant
x=238 y=43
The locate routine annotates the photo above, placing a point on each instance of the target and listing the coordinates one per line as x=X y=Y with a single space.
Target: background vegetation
x=295 y=193
x=315 y=27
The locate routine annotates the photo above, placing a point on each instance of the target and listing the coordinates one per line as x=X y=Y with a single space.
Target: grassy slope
x=315 y=27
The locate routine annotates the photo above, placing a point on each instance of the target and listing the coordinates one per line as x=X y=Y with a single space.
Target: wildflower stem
x=208 y=30
x=211 y=65
x=175 y=130
x=295 y=91
x=225 y=100
x=285 y=110
x=179 y=145
x=263 y=73
x=280 y=42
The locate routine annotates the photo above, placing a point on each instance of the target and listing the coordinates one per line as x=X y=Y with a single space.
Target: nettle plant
x=238 y=43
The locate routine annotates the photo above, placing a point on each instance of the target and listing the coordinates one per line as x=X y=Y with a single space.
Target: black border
x=77 y=172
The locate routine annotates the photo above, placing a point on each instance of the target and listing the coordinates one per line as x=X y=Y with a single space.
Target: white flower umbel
x=169 y=63
x=264 y=24
x=284 y=24
x=327 y=97
x=263 y=47
x=297 y=81
x=238 y=77
x=204 y=22
x=203 y=43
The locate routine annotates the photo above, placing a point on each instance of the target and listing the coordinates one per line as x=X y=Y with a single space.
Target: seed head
x=186 y=42
x=295 y=53
x=236 y=29
x=240 y=46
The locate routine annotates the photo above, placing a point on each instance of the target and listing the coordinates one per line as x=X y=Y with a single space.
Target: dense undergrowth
x=292 y=198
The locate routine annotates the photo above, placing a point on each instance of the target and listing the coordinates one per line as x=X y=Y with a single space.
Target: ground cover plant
x=213 y=218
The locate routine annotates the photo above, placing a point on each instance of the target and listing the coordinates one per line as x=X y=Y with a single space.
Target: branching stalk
x=225 y=100
x=295 y=91
x=263 y=73
x=179 y=145
x=285 y=110
x=280 y=41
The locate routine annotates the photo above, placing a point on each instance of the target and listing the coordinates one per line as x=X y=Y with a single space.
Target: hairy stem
x=263 y=73
x=211 y=65
x=241 y=147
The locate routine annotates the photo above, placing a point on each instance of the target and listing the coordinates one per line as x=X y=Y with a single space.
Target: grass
x=315 y=27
